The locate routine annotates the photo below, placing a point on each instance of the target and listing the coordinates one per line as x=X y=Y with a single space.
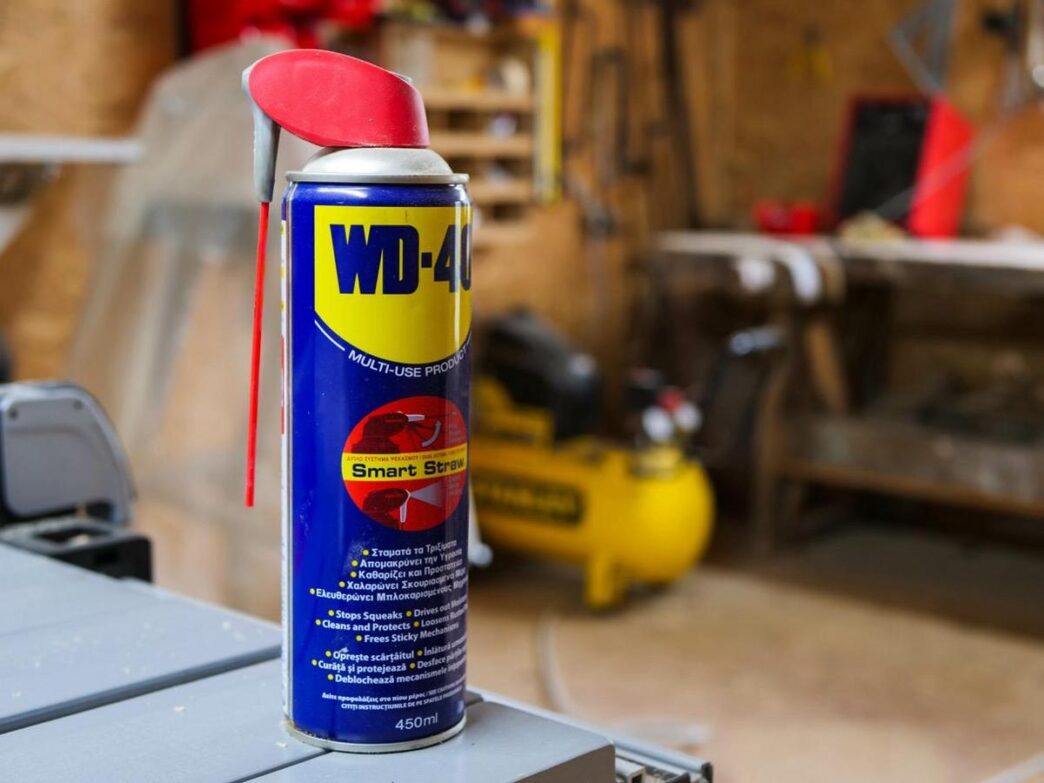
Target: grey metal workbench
x=112 y=680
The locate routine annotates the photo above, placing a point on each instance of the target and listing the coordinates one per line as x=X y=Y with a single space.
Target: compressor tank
x=626 y=516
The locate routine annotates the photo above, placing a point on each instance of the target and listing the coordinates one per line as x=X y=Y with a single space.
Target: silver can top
x=378 y=165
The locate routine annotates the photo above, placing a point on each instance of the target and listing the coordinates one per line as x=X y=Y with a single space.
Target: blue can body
x=376 y=401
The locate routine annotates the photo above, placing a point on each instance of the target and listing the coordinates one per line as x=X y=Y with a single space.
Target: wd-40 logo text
x=395 y=282
x=391 y=256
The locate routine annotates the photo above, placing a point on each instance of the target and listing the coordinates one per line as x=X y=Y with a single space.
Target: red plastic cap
x=334 y=100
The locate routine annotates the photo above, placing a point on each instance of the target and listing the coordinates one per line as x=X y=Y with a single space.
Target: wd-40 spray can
x=376 y=282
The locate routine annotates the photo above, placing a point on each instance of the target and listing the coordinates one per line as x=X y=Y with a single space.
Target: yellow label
x=395 y=282
x=405 y=467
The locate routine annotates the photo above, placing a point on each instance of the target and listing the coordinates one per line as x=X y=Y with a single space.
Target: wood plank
x=902 y=458
x=1009 y=176
x=509 y=191
x=115 y=48
x=825 y=362
x=159 y=640
x=975 y=253
x=1012 y=266
x=890 y=483
x=477 y=100
x=502 y=35
x=981 y=253
x=502 y=233
x=462 y=144
x=221 y=728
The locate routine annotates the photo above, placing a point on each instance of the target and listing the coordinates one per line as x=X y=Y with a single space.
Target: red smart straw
x=255 y=351
x=315 y=95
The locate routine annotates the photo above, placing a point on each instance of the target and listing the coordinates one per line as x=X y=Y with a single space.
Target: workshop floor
x=793 y=684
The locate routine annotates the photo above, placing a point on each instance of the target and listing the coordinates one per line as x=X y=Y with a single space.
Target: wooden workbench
x=839 y=439
x=1012 y=265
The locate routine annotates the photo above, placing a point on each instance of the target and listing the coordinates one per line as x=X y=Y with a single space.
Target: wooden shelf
x=499 y=233
x=463 y=108
x=477 y=100
x=456 y=144
x=500 y=35
x=511 y=191
x=908 y=459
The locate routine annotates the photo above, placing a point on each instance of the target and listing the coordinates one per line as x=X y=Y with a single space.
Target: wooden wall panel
x=1009 y=182
x=80 y=67
x=760 y=130
x=772 y=132
x=45 y=271
x=76 y=68
x=571 y=278
x=711 y=42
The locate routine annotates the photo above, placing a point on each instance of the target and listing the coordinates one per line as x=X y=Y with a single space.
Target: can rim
x=378 y=179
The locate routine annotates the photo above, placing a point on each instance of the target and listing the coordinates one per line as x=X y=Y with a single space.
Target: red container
x=906 y=157
x=799 y=218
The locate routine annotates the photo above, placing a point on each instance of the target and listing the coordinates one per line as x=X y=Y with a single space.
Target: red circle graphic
x=405 y=463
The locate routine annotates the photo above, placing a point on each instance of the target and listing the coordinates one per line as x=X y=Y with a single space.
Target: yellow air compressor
x=545 y=485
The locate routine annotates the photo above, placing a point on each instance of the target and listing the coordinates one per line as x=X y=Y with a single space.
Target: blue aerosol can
x=376 y=280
